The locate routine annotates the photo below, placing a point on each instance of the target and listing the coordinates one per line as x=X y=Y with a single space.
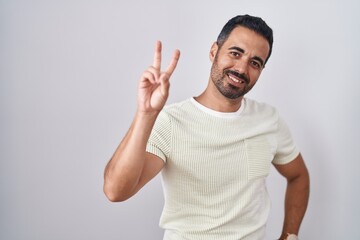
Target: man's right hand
x=131 y=167
x=154 y=84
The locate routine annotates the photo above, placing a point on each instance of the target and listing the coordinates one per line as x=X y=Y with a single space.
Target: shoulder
x=178 y=109
x=255 y=108
x=173 y=112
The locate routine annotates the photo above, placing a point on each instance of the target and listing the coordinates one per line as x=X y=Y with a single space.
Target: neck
x=213 y=99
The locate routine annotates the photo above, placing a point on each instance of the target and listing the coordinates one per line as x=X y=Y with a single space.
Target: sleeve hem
x=288 y=159
x=157 y=152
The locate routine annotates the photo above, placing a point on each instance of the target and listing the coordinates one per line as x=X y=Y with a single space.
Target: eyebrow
x=243 y=51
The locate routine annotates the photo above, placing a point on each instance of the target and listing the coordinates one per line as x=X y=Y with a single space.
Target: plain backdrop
x=69 y=73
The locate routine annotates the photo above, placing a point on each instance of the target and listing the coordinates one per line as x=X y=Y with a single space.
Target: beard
x=220 y=79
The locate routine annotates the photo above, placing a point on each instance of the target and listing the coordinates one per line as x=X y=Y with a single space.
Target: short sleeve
x=286 y=150
x=159 y=140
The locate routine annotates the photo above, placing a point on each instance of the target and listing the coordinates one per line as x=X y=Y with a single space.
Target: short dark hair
x=255 y=24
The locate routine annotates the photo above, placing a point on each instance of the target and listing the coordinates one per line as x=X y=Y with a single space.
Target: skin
x=297 y=194
x=244 y=53
x=241 y=57
x=131 y=167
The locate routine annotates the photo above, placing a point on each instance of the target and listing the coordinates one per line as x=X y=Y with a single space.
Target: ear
x=213 y=51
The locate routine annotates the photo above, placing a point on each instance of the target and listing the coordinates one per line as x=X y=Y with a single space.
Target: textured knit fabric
x=216 y=165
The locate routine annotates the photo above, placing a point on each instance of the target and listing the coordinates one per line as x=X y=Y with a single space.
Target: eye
x=235 y=54
x=255 y=64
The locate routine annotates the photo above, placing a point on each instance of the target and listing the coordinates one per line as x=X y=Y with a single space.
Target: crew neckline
x=219 y=114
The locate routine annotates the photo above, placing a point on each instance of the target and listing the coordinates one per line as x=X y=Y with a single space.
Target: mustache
x=238 y=75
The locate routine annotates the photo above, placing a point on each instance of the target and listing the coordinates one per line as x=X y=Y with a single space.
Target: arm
x=131 y=167
x=297 y=194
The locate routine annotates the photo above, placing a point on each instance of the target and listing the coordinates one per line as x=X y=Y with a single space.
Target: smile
x=236 y=79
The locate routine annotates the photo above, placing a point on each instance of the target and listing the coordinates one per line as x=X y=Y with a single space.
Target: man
x=215 y=150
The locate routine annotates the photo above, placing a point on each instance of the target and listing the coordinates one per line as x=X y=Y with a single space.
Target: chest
x=216 y=156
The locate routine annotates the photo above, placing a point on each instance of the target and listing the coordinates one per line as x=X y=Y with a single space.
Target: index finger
x=173 y=62
x=157 y=55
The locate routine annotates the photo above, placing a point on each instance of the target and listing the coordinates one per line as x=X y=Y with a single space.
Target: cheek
x=224 y=63
x=254 y=76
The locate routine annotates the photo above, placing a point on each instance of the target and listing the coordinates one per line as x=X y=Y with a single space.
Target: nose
x=242 y=65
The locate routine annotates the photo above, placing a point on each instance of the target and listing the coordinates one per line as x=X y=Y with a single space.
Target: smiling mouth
x=237 y=80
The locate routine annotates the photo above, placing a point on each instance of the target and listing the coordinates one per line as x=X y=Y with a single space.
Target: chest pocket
x=259 y=157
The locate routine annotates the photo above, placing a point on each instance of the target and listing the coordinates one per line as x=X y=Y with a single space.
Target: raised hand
x=154 y=84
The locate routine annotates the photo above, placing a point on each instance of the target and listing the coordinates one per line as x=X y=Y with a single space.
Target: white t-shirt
x=215 y=168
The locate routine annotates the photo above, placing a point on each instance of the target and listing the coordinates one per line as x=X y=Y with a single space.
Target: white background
x=69 y=72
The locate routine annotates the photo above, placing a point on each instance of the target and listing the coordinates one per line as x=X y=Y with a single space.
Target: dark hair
x=253 y=23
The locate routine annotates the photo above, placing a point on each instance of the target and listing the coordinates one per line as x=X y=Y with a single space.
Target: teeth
x=236 y=80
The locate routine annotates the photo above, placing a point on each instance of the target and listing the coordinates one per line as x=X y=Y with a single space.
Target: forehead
x=248 y=40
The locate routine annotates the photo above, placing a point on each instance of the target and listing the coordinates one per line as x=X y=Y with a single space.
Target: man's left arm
x=297 y=194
